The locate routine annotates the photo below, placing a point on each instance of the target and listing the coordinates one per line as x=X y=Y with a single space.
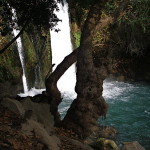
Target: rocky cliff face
x=36 y=44
x=10 y=66
x=37 y=53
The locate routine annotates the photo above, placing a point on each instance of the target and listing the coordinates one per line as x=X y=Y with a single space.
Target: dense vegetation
x=131 y=18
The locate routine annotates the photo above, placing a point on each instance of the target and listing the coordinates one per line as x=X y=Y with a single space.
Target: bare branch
x=15 y=38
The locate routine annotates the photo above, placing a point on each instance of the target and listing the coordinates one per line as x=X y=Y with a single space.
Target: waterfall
x=20 y=51
x=61 y=47
x=33 y=91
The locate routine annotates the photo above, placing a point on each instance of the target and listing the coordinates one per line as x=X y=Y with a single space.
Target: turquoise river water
x=129 y=110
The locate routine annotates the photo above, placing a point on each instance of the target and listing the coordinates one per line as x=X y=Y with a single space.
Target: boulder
x=104 y=132
x=79 y=145
x=106 y=143
x=13 y=105
x=31 y=127
x=132 y=146
x=10 y=89
x=39 y=112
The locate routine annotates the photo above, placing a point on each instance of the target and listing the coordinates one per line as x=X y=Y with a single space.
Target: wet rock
x=103 y=143
x=103 y=132
x=132 y=146
x=107 y=144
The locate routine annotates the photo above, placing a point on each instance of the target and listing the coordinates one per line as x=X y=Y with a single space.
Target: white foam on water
x=147 y=112
x=32 y=92
x=114 y=89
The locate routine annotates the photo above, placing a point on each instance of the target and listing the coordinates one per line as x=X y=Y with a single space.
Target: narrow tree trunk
x=51 y=83
x=84 y=112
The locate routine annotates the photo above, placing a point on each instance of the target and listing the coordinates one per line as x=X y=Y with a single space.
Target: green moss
x=29 y=50
x=48 y=47
x=10 y=66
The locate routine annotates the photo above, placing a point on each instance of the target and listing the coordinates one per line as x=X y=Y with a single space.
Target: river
x=129 y=110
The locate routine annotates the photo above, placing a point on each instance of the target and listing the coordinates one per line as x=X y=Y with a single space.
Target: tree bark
x=84 y=112
x=51 y=83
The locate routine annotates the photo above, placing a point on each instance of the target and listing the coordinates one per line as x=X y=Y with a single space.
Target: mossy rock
x=10 y=65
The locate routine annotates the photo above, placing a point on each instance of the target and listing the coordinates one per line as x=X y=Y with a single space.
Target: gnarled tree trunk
x=51 y=83
x=84 y=112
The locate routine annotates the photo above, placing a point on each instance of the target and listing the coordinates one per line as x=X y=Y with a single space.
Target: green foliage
x=132 y=12
x=84 y=3
x=131 y=25
x=101 y=37
x=77 y=36
x=139 y=13
x=39 y=12
x=111 y=6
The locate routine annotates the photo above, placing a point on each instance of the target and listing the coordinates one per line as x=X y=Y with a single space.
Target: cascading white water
x=61 y=47
x=33 y=91
x=20 y=51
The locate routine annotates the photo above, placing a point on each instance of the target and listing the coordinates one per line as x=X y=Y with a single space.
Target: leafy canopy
x=38 y=12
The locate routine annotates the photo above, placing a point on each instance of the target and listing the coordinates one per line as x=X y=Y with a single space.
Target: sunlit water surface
x=129 y=110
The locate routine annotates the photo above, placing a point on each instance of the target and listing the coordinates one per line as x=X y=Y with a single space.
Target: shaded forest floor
x=11 y=137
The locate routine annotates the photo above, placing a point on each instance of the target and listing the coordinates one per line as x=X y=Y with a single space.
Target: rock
x=103 y=132
x=31 y=127
x=121 y=78
x=109 y=144
x=40 y=98
x=132 y=146
x=107 y=132
x=103 y=143
x=13 y=105
x=77 y=144
x=36 y=47
x=10 y=89
x=39 y=112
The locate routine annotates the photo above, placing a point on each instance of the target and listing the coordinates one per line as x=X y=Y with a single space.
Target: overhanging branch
x=60 y=70
x=15 y=38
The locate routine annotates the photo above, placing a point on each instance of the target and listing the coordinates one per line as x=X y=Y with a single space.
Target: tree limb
x=15 y=38
x=51 y=84
x=60 y=69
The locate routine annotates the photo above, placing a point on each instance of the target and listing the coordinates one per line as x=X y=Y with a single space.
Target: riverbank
x=12 y=137
x=122 y=118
